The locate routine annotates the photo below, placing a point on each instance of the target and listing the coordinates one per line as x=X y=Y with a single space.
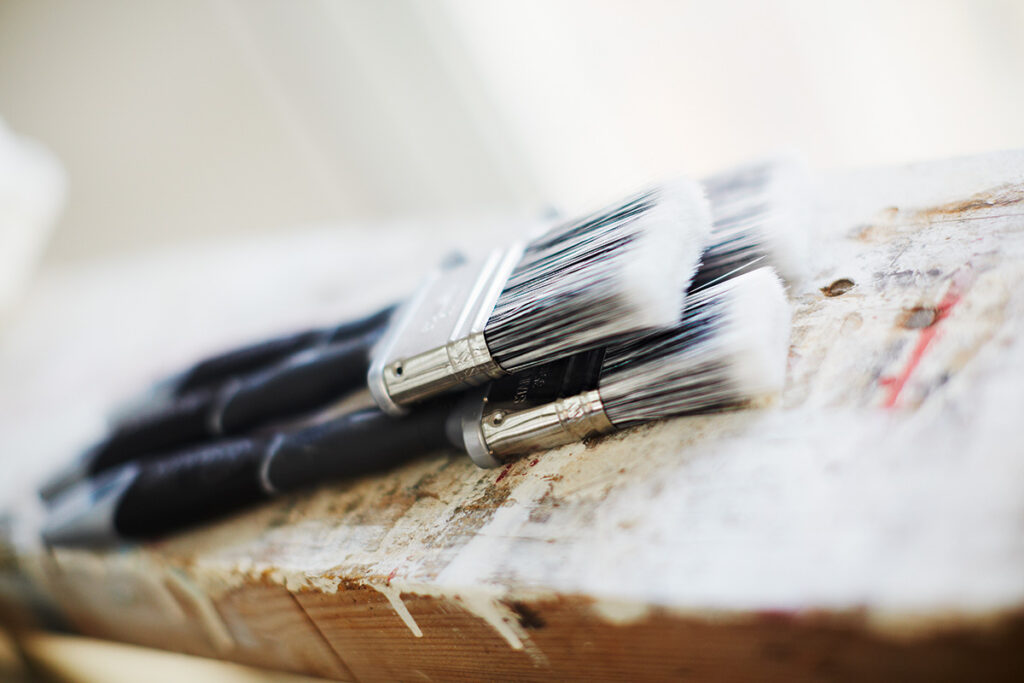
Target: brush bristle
x=729 y=348
x=616 y=272
x=760 y=215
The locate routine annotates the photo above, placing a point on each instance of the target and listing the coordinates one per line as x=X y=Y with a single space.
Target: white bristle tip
x=762 y=316
x=668 y=253
x=787 y=234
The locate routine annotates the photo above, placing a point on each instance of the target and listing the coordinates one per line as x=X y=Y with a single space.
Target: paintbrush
x=758 y=219
x=618 y=271
x=727 y=349
x=759 y=213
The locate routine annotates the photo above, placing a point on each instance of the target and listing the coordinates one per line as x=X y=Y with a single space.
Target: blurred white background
x=177 y=119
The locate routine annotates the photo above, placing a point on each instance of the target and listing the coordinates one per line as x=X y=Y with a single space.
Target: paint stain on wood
x=543 y=508
x=1006 y=195
x=919 y=317
x=927 y=320
x=528 y=617
x=468 y=518
x=839 y=287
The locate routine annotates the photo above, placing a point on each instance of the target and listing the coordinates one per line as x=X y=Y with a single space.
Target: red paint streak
x=535 y=461
x=504 y=473
x=391 y=575
x=924 y=340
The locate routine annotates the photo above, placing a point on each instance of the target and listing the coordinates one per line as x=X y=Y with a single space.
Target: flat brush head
x=760 y=216
x=618 y=271
x=729 y=348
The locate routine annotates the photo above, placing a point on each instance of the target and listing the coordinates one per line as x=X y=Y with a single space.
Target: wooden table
x=871 y=523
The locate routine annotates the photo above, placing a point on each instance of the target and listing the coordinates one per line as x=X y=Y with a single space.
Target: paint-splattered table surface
x=871 y=522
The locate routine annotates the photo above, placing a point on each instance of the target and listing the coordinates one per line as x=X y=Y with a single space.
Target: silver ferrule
x=460 y=361
x=437 y=340
x=503 y=434
x=84 y=514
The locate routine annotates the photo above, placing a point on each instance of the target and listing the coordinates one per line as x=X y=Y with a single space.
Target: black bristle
x=740 y=206
x=721 y=353
x=569 y=291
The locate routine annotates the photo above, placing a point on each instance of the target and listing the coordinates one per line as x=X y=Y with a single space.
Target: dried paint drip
x=394 y=596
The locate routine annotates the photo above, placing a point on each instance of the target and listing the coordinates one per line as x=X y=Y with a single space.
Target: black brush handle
x=205 y=483
x=141 y=434
x=360 y=442
x=257 y=356
x=182 y=421
x=310 y=380
x=191 y=487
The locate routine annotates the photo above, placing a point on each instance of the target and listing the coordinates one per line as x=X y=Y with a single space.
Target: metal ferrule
x=503 y=434
x=85 y=514
x=437 y=342
x=460 y=361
